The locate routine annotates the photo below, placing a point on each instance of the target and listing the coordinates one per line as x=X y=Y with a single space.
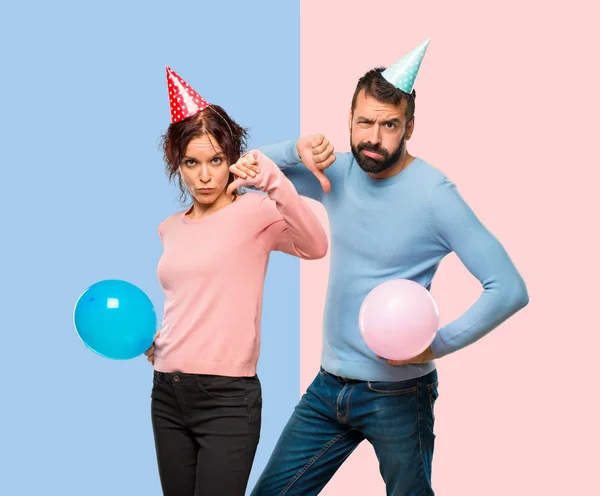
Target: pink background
x=507 y=106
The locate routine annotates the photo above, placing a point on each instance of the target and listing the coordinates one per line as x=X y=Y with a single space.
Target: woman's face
x=205 y=170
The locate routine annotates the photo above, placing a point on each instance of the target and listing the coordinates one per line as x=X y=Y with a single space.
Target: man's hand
x=426 y=356
x=316 y=153
x=150 y=351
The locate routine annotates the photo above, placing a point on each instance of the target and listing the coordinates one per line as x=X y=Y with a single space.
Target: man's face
x=378 y=133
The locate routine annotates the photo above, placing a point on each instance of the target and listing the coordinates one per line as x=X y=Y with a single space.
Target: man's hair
x=376 y=86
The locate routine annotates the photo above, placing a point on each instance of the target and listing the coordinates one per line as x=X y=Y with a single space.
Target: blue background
x=83 y=103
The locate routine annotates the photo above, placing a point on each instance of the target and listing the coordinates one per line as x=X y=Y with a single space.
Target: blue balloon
x=115 y=319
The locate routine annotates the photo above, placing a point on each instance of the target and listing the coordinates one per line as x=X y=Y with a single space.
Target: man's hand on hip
x=426 y=356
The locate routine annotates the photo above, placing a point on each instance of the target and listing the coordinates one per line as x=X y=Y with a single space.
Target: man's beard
x=372 y=165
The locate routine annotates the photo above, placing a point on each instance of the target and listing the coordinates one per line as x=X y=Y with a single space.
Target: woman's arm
x=285 y=221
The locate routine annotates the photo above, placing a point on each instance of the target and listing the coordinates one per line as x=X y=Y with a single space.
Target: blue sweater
x=399 y=228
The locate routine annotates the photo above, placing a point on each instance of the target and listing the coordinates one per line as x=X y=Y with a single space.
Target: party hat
x=404 y=72
x=182 y=97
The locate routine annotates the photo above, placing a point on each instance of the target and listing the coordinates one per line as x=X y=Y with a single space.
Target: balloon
x=115 y=319
x=398 y=319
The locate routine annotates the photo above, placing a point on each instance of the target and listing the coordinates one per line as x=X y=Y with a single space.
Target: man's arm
x=286 y=157
x=305 y=163
x=454 y=224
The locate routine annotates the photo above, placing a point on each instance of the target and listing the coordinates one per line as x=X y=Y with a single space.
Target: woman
x=206 y=397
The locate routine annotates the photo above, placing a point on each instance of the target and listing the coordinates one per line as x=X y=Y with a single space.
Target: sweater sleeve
x=286 y=157
x=455 y=225
x=285 y=221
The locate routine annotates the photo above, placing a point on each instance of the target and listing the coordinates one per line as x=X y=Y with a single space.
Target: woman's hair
x=214 y=122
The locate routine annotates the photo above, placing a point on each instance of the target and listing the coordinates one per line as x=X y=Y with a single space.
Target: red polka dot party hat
x=184 y=100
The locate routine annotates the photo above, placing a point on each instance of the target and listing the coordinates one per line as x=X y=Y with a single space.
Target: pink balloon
x=398 y=319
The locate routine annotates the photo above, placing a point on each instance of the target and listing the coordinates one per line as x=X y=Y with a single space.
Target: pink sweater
x=212 y=272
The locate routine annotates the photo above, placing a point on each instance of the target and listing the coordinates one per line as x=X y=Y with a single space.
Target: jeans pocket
x=391 y=387
x=254 y=389
x=155 y=381
x=224 y=388
x=432 y=391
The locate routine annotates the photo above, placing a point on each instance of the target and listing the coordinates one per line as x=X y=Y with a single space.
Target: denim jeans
x=335 y=415
x=206 y=431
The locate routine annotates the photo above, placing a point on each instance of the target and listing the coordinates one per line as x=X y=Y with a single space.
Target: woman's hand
x=248 y=172
x=150 y=351
x=246 y=166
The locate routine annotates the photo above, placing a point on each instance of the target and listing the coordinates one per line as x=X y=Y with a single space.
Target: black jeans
x=206 y=431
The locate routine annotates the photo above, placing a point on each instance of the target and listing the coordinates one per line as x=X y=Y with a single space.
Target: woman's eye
x=217 y=160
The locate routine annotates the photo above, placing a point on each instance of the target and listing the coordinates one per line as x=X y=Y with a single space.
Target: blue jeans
x=335 y=415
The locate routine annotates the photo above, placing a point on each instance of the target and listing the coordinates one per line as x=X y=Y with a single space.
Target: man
x=392 y=216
